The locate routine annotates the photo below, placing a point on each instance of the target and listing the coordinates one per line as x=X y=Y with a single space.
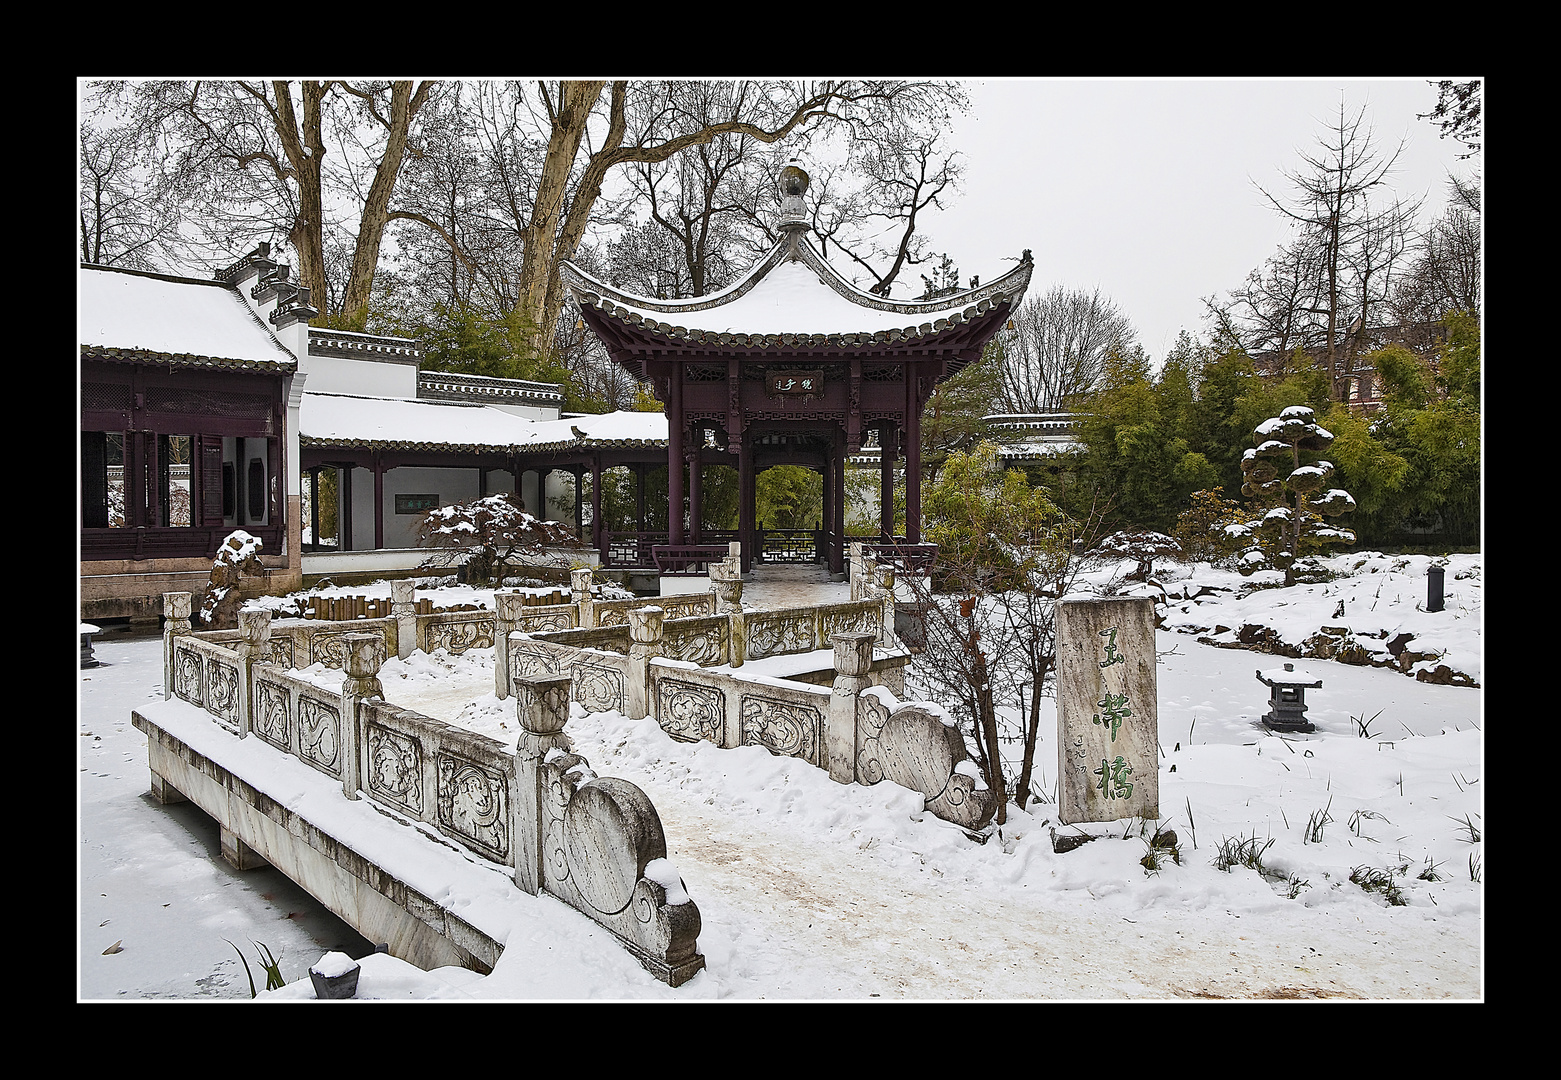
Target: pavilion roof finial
x=794 y=220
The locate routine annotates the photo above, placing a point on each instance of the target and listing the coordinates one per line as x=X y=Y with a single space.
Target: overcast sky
x=1146 y=188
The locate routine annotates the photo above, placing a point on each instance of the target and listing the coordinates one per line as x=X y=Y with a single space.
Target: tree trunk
x=404 y=106
x=538 y=277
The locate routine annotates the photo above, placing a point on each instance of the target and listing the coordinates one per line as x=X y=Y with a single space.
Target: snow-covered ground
x=812 y=890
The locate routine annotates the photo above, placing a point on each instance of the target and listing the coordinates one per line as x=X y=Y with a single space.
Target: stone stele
x=1107 y=714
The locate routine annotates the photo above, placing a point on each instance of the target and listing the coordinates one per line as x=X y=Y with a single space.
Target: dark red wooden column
x=746 y=496
x=888 y=450
x=912 y=455
x=675 y=533
x=379 y=503
x=696 y=478
x=837 y=481
x=598 y=533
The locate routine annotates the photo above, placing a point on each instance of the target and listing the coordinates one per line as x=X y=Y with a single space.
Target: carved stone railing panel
x=319 y=733
x=188 y=671
x=548 y=617
x=705 y=641
x=273 y=713
x=457 y=632
x=598 y=683
x=222 y=689
x=774 y=633
x=393 y=764
x=474 y=804
x=690 y=712
x=689 y=606
x=864 y=616
x=784 y=725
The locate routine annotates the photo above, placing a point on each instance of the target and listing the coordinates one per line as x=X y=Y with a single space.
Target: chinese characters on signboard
x=1107 y=714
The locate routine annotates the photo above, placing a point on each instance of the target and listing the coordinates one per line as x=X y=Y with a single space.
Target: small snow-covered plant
x=1470 y=828
x=1294 y=885
x=1360 y=815
x=268 y=963
x=1240 y=851
x=480 y=536
x=1162 y=843
x=1204 y=530
x=1140 y=545
x=1316 y=823
x=1298 y=498
x=1382 y=882
x=1430 y=871
x=1476 y=871
x=1363 y=725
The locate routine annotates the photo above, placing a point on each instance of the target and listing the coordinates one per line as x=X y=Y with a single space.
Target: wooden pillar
x=639 y=497
x=888 y=451
x=746 y=498
x=826 y=474
x=675 y=534
x=912 y=454
x=379 y=504
x=344 y=513
x=578 y=471
x=599 y=534
x=837 y=481
x=696 y=484
x=314 y=506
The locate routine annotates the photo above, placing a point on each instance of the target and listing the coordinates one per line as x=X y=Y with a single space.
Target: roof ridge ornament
x=794 y=209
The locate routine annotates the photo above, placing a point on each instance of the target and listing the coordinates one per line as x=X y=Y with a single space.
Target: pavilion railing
x=687 y=560
x=791 y=545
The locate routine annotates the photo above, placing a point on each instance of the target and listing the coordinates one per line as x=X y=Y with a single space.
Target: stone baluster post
x=542 y=707
x=644 y=643
x=853 y=667
x=365 y=653
x=883 y=589
x=403 y=608
x=580 y=593
x=254 y=627
x=510 y=610
x=176 y=623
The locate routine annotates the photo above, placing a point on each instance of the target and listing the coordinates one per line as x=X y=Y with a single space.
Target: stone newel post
x=510 y=607
x=853 y=664
x=254 y=627
x=580 y=595
x=176 y=615
x=542 y=707
x=644 y=643
x=365 y=653
x=404 y=610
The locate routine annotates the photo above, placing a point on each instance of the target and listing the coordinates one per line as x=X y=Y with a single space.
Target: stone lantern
x=1287 y=698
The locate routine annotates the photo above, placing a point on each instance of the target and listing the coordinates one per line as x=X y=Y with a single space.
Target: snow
x=344 y=418
x=811 y=890
x=131 y=311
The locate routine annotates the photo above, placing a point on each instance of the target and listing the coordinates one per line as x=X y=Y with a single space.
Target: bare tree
x=1346 y=239
x=120 y=225
x=1457 y=112
x=246 y=158
x=1058 y=347
x=1445 y=273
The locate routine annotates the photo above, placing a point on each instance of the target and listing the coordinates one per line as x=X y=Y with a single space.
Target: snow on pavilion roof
x=130 y=316
x=793 y=291
x=405 y=424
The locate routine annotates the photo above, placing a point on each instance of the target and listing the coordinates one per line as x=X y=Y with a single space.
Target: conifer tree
x=1300 y=501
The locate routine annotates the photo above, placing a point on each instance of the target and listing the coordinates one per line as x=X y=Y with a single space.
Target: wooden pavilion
x=793 y=365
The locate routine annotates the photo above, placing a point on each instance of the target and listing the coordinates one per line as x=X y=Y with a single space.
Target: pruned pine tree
x=481 y=536
x=1296 y=492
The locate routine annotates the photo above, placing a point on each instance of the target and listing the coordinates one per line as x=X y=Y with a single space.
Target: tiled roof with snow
x=131 y=316
x=797 y=292
x=402 y=424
